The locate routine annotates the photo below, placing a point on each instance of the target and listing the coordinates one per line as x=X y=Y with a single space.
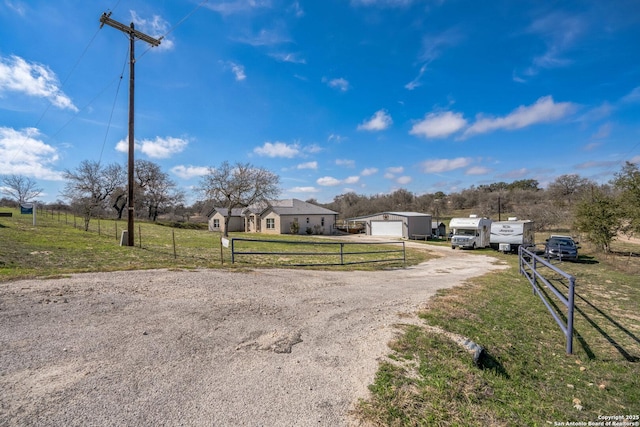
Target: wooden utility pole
x=133 y=34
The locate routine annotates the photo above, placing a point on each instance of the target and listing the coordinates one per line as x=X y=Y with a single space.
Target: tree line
x=601 y=211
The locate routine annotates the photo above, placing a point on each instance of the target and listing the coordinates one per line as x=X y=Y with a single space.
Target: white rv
x=507 y=236
x=472 y=232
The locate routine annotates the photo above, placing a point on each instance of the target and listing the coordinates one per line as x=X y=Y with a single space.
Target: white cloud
x=389 y=175
x=292 y=58
x=432 y=48
x=597 y=164
x=560 y=32
x=417 y=81
x=592 y=146
x=32 y=79
x=328 y=181
x=296 y=9
x=277 y=149
x=156 y=27
x=346 y=163
x=369 y=171
x=395 y=169
x=351 y=180
x=336 y=138
x=438 y=125
x=403 y=180
x=188 y=172
x=308 y=165
x=544 y=110
x=381 y=120
x=313 y=149
x=17 y=7
x=603 y=131
x=339 y=83
x=304 y=190
x=265 y=38
x=477 y=170
x=236 y=69
x=382 y=3
x=445 y=165
x=633 y=96
x=159 y=148
x=237 y=6
x=23 y=153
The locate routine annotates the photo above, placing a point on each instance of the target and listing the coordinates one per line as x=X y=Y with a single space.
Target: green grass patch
x=526 y=377
x=59 y=245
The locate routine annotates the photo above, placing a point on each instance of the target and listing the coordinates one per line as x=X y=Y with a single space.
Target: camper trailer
x=507 y=236
x=472 y=232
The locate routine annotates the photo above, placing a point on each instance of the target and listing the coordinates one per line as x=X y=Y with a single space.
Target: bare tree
x=238 y=186
x=566 y=189
x=90 y=186
x=20 y=188
x=157 y=191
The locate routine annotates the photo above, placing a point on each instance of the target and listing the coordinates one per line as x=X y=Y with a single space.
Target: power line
x=113 y=107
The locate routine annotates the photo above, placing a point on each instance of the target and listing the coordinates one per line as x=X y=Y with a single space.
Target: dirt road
x=207 y=347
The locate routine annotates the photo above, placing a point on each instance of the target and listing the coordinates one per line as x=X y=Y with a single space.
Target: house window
x=216 y=223
x=271 y=223
x=322 y=221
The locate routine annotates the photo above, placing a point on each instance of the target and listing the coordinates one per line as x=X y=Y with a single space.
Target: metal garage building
x=407 y=225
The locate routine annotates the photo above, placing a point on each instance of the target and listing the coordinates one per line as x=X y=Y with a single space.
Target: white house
x=291 y=216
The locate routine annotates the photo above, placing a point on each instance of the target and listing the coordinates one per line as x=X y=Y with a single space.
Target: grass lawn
x=57 y=245
x=526 y=377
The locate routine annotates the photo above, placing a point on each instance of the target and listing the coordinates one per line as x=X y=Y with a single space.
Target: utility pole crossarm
x=105 y=19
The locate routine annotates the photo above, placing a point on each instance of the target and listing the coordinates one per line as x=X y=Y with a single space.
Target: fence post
x=233 y=252
x=341 y=253
x=173 y=235
x=404 y=254
x=140 y=235
x=572 y=284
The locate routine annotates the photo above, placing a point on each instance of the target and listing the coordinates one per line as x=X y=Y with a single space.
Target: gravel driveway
x=208 y=347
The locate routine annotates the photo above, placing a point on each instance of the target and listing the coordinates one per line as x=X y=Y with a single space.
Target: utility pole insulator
x=133 y=35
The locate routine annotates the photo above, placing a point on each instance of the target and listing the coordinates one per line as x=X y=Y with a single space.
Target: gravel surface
x=208 y=347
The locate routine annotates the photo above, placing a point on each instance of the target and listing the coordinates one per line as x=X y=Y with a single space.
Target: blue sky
x=334 y=96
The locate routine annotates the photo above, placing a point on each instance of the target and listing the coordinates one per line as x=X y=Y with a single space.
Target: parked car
x=562 y=248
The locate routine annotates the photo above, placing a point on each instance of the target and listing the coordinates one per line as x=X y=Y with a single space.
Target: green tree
x=627 y=182
x=599 y=216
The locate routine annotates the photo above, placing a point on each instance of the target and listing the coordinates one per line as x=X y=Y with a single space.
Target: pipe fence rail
x=530 y=266
x=322 y=249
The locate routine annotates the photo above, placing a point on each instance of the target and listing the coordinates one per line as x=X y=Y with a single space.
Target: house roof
x=223 y=212
x=406 y=214
x=297 y=207
x=280 y=207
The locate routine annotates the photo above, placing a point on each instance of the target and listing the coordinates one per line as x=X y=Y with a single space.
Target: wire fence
x=197 y=246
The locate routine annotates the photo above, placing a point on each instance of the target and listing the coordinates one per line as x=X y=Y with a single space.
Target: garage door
x=386 y=228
